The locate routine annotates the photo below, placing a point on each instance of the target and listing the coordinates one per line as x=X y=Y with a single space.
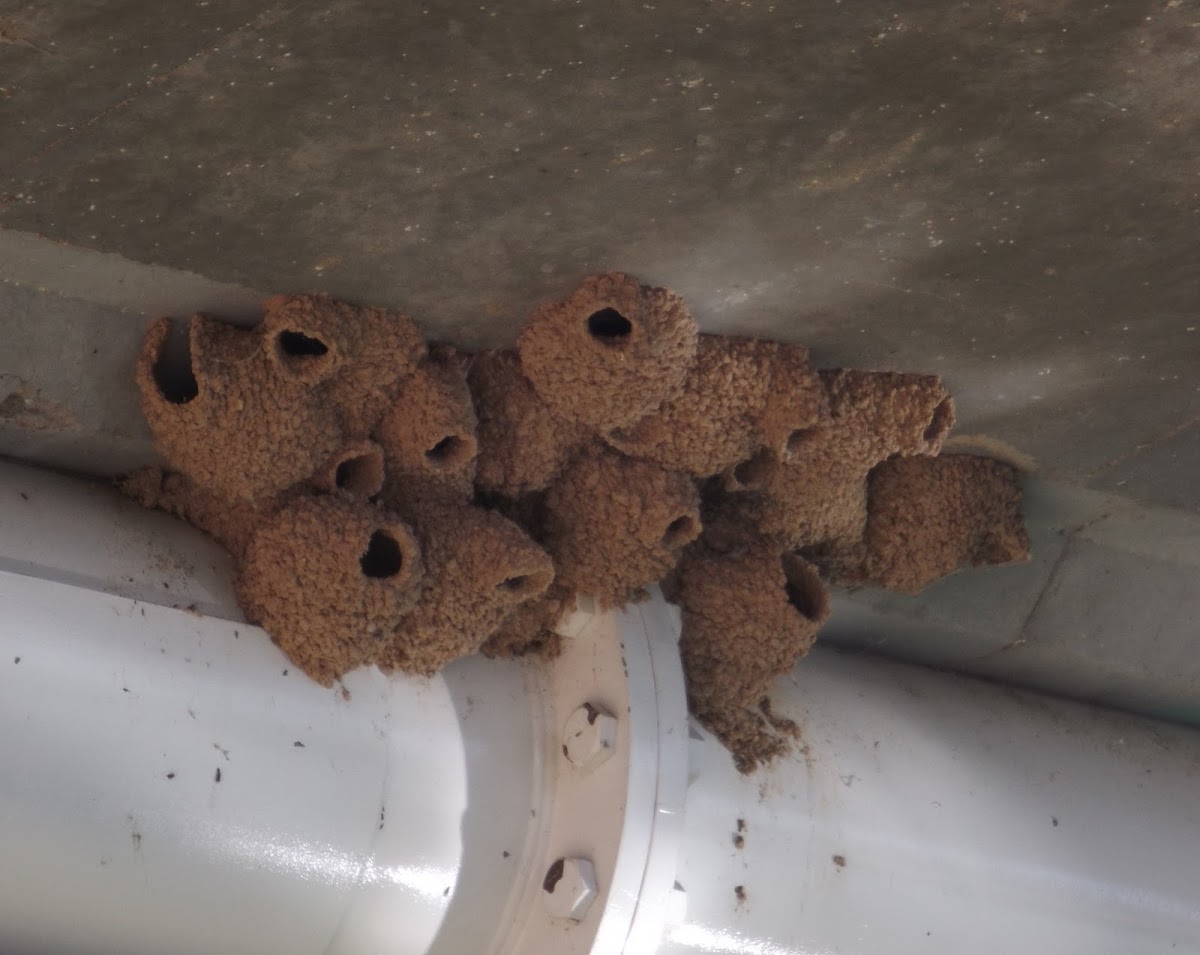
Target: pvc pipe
x=926 y=813
x=172 y=783
x=934 y=813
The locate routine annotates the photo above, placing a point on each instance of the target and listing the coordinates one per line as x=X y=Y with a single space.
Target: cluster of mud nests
x=402 y=504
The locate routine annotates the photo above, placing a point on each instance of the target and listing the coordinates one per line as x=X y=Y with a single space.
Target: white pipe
x=934 y=813
x=171 y=784
x=927 y=813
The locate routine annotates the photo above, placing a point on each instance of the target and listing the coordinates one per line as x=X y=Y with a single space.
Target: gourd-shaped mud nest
x=401 y=505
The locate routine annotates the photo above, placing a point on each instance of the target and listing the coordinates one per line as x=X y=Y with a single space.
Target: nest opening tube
x=680 y=532
x=800 y=440
x=941 y=422
x=360 y=475
x=609 y=327
x=754 y=473
x=302 y=355
x=523 y=580
x=298 y=345
x=452 y=451
x=517 y=584
x=174 y=376
x=383 y=557
x=805 y=592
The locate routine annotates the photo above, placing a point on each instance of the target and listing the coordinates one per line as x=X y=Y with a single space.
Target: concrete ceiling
x=1005 y=193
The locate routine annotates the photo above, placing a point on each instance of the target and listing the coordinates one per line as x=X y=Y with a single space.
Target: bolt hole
x=941 y=422
x=682 y=530
x=805 y=592
x=609 y=326
x=298 y=345
x=382 y=558
x=553 y=875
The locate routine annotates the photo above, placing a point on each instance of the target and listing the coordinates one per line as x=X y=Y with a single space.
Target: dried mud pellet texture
x=616 y=525
x=712 y=423
x=330 y=579
x=748 y=615
x=611 y=353
x=930 y=516
x=529 y=631
x=356 y=471
x=796 y=399
x=231 y=524
x=428 y=438
x=876 y=414
x=359 y=356
x=813 y=493
x=406 y=505
x=247 y=431
x=816 y=501
x=479 y=569
x=523 y=445
x=443 y=353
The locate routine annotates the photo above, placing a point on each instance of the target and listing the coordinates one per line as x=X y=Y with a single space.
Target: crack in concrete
x=1023 y=633
x=9 y=35
x=1143 y=446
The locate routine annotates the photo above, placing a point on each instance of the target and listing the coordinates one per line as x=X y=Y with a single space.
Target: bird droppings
x=395 y=504
x=839 y=861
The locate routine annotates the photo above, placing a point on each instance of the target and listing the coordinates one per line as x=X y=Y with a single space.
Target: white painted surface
x=621 y=815
x=118 y=835
x=935 y=814
x=86 y=534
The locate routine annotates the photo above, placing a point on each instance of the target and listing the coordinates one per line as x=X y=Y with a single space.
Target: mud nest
x=401 y=505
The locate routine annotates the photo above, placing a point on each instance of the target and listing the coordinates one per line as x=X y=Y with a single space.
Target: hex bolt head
x=570 y=888
x=577 y=618
x=589 y=737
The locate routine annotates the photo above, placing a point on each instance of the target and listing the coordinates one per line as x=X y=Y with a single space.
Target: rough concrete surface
x=1003 y=193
